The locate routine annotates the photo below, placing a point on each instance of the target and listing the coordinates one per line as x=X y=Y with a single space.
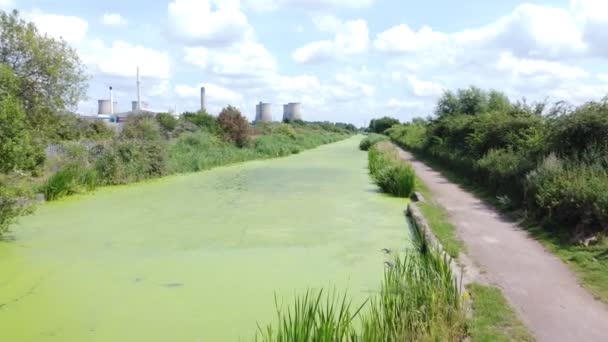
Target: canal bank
x=198 y=256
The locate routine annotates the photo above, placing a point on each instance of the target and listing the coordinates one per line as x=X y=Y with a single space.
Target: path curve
x=542 y=289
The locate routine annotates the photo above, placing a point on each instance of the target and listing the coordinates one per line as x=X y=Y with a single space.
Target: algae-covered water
x=198 y=257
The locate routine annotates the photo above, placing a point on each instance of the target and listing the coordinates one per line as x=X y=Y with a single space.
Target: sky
x=344 y=60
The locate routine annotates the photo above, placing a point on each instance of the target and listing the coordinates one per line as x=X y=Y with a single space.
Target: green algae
x=198 y=257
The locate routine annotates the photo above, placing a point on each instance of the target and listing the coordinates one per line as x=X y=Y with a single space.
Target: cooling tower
x=286 y=115
x=295 y=111
x=263 y=112
x=105 y=107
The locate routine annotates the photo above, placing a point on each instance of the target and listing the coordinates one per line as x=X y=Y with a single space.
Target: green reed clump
x=392 y=174
x=419 y=300
x=371 y=140
x=71 y=179
x=313 y=317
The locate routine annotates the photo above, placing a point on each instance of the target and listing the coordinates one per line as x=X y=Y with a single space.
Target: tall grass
x=71 y=179
x=419 y=300
x=392 y=174
x=371 y=140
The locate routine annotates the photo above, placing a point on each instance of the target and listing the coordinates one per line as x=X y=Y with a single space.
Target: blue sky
x=345 y=60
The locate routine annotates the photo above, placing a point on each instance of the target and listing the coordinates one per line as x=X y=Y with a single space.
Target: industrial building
x=292 y=111
x=263 y=112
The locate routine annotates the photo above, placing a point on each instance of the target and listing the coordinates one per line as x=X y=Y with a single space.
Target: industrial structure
x=292 y=111
x=263 y=112
x=203 y=104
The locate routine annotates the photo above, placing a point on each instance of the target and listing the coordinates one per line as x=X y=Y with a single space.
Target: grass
x=493 y=320
x=439 y=221
x=392 y=174
x=589 y=264
x=371 y=140
x=419 y=300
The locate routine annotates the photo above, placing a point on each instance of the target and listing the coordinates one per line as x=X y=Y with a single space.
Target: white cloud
x=215 y=93
x=70 y=28
x=425 y=88
x=351 y=38
x=402 y=39
x=602 y=77
x=209 y=22
x=312 y=5
x=243 y=59
x=535 y=67
x=113 y=20
x=327 y=23
x=7 y=4
x=122 y=59
x=404 y=104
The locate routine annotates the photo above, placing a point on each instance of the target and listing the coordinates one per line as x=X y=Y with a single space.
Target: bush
x=389 y=172
x=371 y=140
x=167 y=123
x=571 y=196
x=586 y=128
x=72 y=179
x=141 y=127
x=382 y=124
x=203 y=121
x=235 y=127
x=129 y=160
x=503 y=170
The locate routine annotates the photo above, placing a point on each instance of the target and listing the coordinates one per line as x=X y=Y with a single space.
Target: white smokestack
x=203 y=109
x=138 y=91
x=111 y=101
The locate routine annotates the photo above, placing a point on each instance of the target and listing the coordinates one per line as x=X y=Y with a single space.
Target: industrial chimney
x=203 y=107
x=138 y=92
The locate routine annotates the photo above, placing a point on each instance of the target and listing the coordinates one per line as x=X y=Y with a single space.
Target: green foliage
x=17 y=148
x=167 y=123
x=51 y=76
x=471 y=101
x=72 y=179
x=371 y=140
x=200 y=151
x=72 y=127
x=419 y=300
x=235 y=127
x=382 y=124
x=131 y=160
x=493 y=320
x=572 y=194
x=313 y=317
x=203 y=121
x=389 y=172
x=141 y=127
x=585 y=128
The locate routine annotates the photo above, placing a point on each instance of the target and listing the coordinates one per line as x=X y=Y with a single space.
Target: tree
x=203 y=120
x=17 y=150
x=167 y=123
x=382 y=124
x=234 y=125
x=52 y=77
x=141 y=127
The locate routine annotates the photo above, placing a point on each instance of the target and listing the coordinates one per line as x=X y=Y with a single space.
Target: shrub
x=389 y=172
x=129 y=160
x=503 y=170
x=17 y=148
x=141 y=127
x=167 y=123
x=371 y=140
x=572 y=196
x=235 y=127
x=203 y=121
x=382 y=124
x=585 y=128
x=72 y=179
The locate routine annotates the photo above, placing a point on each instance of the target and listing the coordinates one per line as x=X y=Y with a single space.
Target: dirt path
x=539 y=285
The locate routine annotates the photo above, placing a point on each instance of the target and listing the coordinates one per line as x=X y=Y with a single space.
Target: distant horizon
x=344 y=60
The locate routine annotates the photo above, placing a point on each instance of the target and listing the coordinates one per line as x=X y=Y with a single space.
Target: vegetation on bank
x=370 y=140
x=42 y=78
x=544 y=165
x=419 y=300
x=493 y=320
x=392 y=174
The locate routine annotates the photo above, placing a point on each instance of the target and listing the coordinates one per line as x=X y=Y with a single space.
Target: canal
x=198 y=257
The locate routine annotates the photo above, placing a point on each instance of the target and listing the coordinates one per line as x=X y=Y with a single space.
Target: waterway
x=198 y=257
